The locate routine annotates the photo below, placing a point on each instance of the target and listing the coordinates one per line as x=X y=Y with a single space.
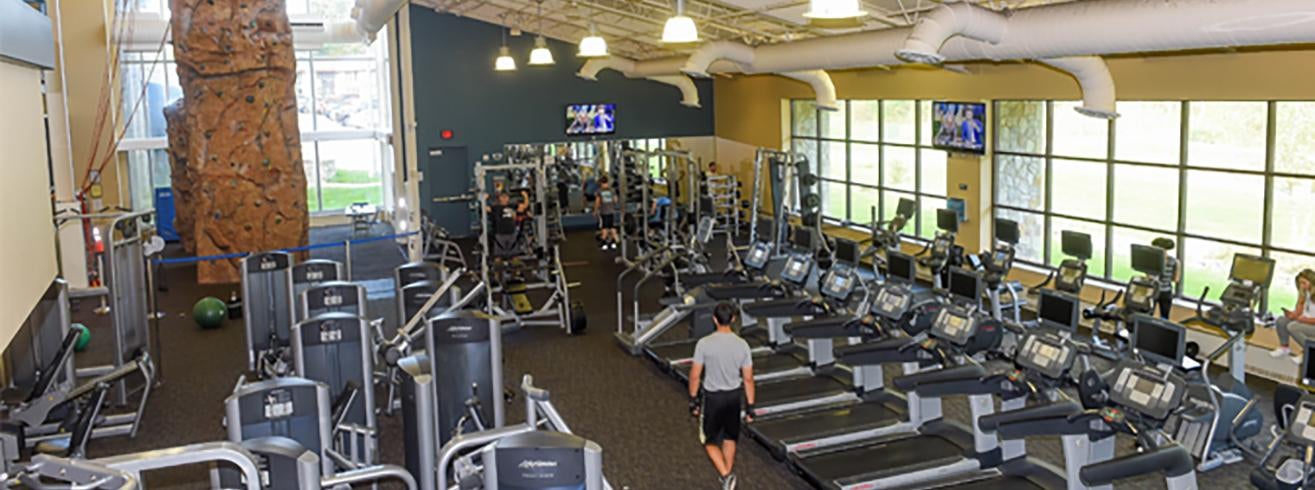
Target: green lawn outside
x=346 y=176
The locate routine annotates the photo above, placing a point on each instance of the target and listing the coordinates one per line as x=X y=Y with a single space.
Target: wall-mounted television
x=588 y=119
x=959 y=126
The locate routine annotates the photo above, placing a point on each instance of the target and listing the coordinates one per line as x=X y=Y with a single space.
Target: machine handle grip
x=1172 y=460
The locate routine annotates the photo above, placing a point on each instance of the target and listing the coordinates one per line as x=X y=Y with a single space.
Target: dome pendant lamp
x=835 y=13
x=593 y=45
x=680 y=29
x=540 y=55
x=504 y=61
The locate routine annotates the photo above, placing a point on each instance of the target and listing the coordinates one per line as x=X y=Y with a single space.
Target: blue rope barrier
x=302 y=248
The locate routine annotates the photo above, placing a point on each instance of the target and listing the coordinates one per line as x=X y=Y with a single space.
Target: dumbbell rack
x=724 y=190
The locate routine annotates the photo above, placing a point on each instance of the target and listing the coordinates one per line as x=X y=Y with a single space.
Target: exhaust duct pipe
x=666 y=71
x=1095 y=80
x=372 y=15
x=735 y=52
x=689 y=93
x=823 y=90
x=1049 y=32
x=951 y=19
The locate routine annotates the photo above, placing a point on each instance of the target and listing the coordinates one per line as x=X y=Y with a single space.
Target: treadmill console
x=797 y=269
x=1141 y=295
x=758 y=256
x=1070 y=276
x=954 y=325
x=1046 y=353
x=893 y=302
x=1147 y=391
x=839 y=283
x=1302 y=427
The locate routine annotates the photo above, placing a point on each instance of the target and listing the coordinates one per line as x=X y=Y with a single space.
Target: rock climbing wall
x=233 y=137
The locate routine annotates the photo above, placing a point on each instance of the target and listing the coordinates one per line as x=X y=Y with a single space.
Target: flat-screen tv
x=959 y=126
x=586 y=119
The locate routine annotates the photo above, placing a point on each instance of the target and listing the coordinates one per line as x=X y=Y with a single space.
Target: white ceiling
x=633 y=27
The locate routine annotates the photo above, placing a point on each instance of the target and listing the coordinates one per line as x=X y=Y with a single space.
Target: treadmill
x=783 y=358
x=677 y=353
x=877 y=412
x=939 y=449
x=663 y=339
x=1042 y=365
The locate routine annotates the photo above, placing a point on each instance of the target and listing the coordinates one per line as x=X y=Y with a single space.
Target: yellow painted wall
x=750 y=111
x=85 y=28
x=27 y=247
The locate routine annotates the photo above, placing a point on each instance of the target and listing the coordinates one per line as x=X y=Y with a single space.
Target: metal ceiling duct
x=1051 y=34
x=372 y=15
x=668 y=74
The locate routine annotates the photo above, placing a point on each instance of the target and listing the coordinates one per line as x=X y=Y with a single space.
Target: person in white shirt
x=1298 y=322
x=727 y=390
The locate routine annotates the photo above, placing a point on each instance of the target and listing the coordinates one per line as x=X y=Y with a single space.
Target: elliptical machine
x=1071 y=274
x=1287 y=461
x=1138 y=296
x=886 y=234
x=1218 y=437
x=942 y=253
x=995 y=265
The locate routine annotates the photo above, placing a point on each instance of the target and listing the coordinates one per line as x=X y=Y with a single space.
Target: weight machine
x=511 y=276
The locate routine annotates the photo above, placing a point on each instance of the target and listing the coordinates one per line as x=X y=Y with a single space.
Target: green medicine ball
x=84 y=337
x=209 y=312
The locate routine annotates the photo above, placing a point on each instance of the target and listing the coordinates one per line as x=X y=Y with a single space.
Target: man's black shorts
x=720 y=416
x=609 y=220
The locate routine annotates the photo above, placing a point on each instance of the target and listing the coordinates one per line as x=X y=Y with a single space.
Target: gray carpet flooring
x=635 y=411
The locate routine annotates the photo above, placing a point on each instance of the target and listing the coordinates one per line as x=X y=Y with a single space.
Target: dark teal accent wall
x=457 y=89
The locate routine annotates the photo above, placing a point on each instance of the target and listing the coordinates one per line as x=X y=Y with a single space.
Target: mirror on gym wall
x=581 y=163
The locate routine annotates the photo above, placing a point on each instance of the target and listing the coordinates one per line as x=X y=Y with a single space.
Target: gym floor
x=626 y=404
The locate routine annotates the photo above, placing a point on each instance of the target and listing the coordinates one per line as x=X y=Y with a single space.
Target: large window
x=1216 y=177
x=342 y=107
x=869 y=154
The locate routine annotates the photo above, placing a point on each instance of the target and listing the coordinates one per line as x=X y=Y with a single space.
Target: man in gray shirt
x=723 y=364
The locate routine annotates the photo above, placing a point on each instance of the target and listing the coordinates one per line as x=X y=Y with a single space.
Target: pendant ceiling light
x=504 y=62
x=680 y=29
x=593 y=45
x=835 y=13
x=540 y=55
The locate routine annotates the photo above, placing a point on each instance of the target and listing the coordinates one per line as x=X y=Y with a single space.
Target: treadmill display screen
x=796 y=269
x=1058 y=311
x=846 y=252
x=900 y=266
x=839 y=285
x=1046 y=354
x=965 y=285
x=758 y=256
x=953 y=326
x=1158 y=340
x=891 y=304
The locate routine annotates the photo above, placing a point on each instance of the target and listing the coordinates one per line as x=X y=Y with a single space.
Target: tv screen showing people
x=584 y=119
x=959 y=126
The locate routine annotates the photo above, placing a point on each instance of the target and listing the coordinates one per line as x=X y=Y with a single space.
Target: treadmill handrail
x=964 y=372
x=1172 y=460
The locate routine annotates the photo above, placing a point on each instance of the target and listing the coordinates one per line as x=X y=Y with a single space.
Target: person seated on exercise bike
x=504 y=223
x=1298 y=322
